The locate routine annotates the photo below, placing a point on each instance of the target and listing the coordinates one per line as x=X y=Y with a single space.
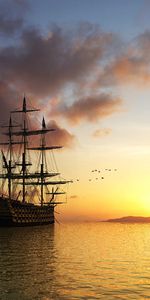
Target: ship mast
x=8 y=166
x=42 y=164
x=24 y=133
x=26 y=178
x=24 y=148
x=10 y=158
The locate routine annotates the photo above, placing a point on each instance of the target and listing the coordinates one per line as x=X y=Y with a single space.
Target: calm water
x=75 y=261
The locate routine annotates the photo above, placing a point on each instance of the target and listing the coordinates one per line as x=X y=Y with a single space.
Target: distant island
x=130 y=219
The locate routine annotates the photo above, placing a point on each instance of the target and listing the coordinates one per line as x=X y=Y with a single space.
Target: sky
x=86 y=65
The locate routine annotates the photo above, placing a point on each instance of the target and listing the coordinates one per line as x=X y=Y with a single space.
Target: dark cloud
x=22 y=3
x=9 y=26
x=14 y=8
x=8 y=101
x=42 y=65
x=12 y=17
x=91 y=108
x=143 y=44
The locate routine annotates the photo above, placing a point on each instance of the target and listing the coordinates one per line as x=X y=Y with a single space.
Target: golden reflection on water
x=75 y=261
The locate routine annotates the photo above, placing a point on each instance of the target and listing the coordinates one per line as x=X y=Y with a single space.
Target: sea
x=75 y=261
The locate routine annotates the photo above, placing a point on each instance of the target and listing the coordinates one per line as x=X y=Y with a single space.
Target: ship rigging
x=22 y=181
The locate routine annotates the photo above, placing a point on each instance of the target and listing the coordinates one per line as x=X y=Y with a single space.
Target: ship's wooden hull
x=16 y=213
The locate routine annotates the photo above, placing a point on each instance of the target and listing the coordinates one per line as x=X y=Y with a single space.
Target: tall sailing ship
x=28 y=193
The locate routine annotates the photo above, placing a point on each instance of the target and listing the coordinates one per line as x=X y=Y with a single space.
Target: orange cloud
x=126 y=70
x=101 y=132
x=61 y=136
x=129 y=67
x=91 y=108
x=73 y=197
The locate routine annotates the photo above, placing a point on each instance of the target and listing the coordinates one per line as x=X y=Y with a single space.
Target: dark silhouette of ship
x=29 y=186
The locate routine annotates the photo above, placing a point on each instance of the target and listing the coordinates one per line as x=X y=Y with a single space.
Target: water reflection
x=75 y=261
x=27 y=263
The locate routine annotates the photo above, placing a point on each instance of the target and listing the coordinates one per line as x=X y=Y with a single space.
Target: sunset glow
x=88 y=70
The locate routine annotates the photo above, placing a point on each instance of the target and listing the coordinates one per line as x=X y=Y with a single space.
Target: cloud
x=45 y=64
x=91 y=108
x=8 y=101
x=12 y=16
x=101 y=132
x=125 y=70
x=130 y=66
x=14 y=7
x=22 y=3
x=61 y=136
x=73 y=197
x=9 y=26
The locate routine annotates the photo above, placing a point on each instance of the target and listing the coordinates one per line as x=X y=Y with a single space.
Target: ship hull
x=15 y=213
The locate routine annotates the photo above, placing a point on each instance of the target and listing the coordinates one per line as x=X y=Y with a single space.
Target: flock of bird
x=98 y=172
